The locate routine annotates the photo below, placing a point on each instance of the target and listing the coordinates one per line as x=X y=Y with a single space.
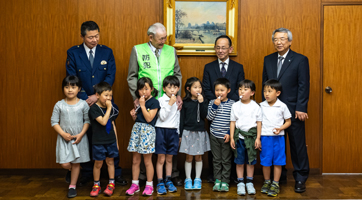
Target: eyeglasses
x=222 y=48
x=282 y=39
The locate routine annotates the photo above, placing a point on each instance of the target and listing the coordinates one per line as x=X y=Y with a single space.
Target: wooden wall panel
x=38 y=33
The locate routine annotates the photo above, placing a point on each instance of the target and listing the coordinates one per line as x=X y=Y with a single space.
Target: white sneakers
x=249 y=187
x=241 y=189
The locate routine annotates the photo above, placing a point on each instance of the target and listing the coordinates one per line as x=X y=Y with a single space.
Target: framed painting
x=193 y=25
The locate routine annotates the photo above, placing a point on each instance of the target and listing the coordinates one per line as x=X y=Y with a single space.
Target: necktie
x=280 y=63
x=156 y=53
x=91 y=58
x=223 y=70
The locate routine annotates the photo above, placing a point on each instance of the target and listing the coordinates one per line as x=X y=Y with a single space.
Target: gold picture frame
x=195 y=33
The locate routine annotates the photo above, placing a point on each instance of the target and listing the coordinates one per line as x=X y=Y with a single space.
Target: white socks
x=188 y=168
x=149 y=183
x=198 y=166
x=135 y=182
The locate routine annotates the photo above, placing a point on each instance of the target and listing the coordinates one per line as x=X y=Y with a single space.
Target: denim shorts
x=103 y=151
x=242 y=157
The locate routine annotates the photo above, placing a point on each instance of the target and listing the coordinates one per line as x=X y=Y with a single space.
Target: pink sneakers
x=148 y=191
x=134 y=188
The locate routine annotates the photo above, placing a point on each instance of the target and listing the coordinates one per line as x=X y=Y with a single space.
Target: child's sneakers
x=96 y=189
x=148 y=190
x=224 y=187
x=134 y=188
x=250 y=188
x=170 y=187
x=265 y=187
x=161 y=188
x=241 y=189
x=72 y=192
x=197 y=184
x=109 y=190
x=217 y=185
x=274 y=189
x=188 y=184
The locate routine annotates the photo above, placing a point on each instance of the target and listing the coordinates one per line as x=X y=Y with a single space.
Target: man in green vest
x=155 y=60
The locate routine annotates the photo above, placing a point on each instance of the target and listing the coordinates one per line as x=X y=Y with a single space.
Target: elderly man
x=155 y=60
x=92 y=63
x=292 y=71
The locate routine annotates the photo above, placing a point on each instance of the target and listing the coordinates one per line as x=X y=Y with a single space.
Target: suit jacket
x=234 y=73
x=294 y=77
x=104 y=68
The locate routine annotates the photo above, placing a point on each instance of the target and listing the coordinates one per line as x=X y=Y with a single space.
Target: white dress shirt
x=88 y=49
x=226 y=64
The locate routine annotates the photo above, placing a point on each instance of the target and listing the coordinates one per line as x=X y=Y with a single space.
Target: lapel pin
x=103 y=62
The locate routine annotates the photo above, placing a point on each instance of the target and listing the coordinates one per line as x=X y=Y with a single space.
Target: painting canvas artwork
x=199 y=22
x=193 y=25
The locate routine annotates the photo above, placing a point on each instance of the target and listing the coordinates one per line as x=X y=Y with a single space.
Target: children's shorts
x=142 y=139
x=272 y=150
x=242 y=156
x=167 y=140
x=103 y=151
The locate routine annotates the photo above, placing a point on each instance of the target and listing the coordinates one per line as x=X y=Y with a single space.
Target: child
x=70 y=120
x=245 y=127
x=219 y=113
x=194 y=138
x=167 y=138
x=105 y=147
x=274 y=113
x=143 y=134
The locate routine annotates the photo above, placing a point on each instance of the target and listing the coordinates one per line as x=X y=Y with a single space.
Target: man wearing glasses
x=227 y=68
x=292 y=71
x=223 y=67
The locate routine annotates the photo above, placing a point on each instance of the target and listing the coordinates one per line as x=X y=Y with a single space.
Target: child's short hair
x=247 y=84
x=141 y=84
x=171 y=80
x=101 y=87
x=273 y=84
x=222 y=81
x=71 y=80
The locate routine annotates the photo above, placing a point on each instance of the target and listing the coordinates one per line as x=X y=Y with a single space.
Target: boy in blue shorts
x=105 y=147
x=276 y=118
x=167 y=137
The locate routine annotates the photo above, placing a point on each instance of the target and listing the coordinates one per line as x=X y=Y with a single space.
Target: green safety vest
x=156 y=70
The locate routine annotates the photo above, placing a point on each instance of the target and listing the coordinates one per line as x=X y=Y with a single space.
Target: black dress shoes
x=299 y=187
x=177 y=181
x=67 y=177
x=119 y=180
x=84 y=180
x=210 y=179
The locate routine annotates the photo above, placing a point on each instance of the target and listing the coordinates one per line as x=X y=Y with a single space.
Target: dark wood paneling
x=38 y=33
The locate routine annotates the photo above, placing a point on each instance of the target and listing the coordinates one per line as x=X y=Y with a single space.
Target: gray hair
x=154 y=28
x=283 y=30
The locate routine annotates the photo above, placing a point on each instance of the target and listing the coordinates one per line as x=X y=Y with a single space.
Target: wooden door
x=342 y=72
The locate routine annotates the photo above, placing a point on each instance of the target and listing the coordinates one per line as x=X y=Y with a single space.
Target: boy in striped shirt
x=219 y=113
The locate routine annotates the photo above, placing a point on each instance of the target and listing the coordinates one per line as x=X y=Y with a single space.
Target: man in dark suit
x=222 y=67
x=292 y=71
x=92 y=63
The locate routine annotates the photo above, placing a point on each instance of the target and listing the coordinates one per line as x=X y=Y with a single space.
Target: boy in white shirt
x=245 y=127
x=276 y=118
x=167 y=138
